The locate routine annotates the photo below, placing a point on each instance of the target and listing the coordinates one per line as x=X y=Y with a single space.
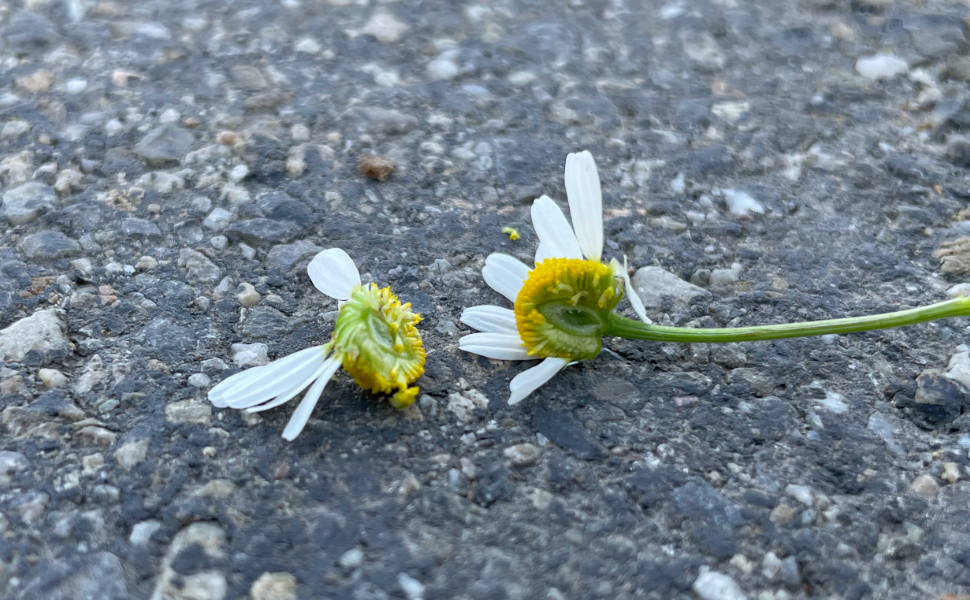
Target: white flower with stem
x=565 y=305
x=374 y=339
x=502 y=335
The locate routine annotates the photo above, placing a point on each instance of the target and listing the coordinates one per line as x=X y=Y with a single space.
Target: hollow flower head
x=375 y=340
x=561 y=307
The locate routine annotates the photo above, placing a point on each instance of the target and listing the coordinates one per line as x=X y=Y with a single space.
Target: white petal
x=293 y=391
x=281 y=385
x=635 y=300
x=585 y=203
x=249 y=377
x=490 y=319
x=302 y=413
x=543 y=252
x=631 y=294
x=505 y=274
x=259 y=384
x=333 y=272
x=500 y=346
x=553 y=229
x=529 y=380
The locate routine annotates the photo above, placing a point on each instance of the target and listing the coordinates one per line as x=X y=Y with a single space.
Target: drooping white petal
x=259 y=384
x=529 y=380
x=505 y=274
x=333 y=272
x=585 y=203
x=553 y=229
x=303 y=411
x=292 y=391
x=500 y=346
x=631 y=294
x=636 y=302
x=490 y=319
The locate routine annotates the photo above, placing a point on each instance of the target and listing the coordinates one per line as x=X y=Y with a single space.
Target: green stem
x=620 y=326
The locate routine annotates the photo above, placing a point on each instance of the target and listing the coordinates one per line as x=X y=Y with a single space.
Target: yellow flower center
x=376 y=336
x=563 y=307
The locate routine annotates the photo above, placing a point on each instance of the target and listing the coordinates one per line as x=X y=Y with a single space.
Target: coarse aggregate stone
x=168 y=169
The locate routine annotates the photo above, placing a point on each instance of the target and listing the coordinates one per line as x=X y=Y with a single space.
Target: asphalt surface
x=169 y=168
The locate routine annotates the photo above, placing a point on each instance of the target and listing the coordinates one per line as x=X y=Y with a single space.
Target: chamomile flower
x=375 y=340
x=562 y=305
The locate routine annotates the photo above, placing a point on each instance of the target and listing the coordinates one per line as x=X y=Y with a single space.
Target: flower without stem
x=375 y=340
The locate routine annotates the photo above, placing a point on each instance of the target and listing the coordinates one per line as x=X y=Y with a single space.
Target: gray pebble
x=49 y=245
x=25 y=203
x=653 y=284
x=165 y=145
x=199 y=380
x=218 y=219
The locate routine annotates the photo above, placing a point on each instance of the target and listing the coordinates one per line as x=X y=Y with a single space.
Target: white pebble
x=142 y=532
x=711 y=585
x=881 y=66
x=113 y=127
x=249 y=355
x=248 y=252
x=802 y=493
x=413 y=588
x=960 y=289
x=146 y=263
x=248 y=296
x=741 y=203
x=300 y=132
x=76 y=86
x=351 y=559
x=442 y=69
x=520 y=78
x=678 y=185
x=219 y=242
x=218 y=219
x=834 y=402
x=385 y=27
x=308 y=46
x=14 y=129
x=238 y=173
x=199 y=380
x=201 y=204
x=52 y=378
x=169 y=116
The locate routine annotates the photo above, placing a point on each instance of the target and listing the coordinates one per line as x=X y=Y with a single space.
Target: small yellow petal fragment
x=513 y=234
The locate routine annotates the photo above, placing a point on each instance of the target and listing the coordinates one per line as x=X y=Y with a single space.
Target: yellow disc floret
x=563 y=307
x=380 y=346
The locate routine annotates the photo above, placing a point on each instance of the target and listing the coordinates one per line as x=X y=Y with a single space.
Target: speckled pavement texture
x=168 y=169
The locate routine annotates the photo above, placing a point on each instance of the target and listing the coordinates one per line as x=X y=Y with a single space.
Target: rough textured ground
x=169 y=167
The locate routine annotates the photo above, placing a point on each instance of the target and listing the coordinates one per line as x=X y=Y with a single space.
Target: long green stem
x=628 y=328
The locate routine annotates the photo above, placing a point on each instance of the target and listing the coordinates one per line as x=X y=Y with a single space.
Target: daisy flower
x=564 y=306
x=569 y=278
x=375 y=340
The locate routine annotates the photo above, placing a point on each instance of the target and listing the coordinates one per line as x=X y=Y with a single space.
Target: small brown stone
x=274 y=586
x=783 y=514
x=951 y=472
x=955 y=256
x=375 y=167
x=97 y=436
x=925 y=486
x=38 y=81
